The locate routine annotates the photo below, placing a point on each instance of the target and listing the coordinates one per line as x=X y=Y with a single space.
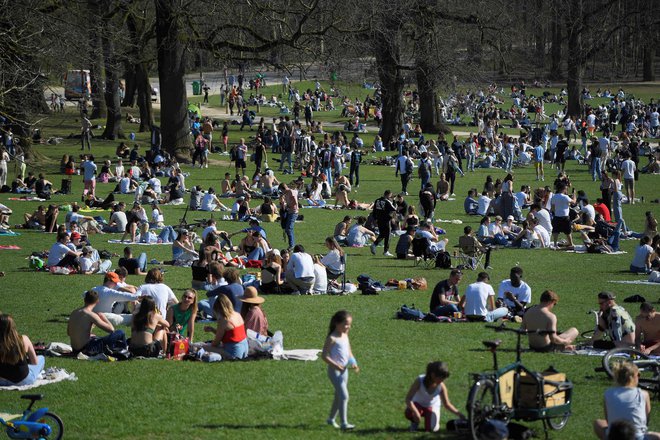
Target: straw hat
x=251 y=296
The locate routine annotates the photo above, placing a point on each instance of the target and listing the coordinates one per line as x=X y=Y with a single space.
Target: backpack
x=410 y=313
x=232 y=155
x=443 y=260
x=409 y=166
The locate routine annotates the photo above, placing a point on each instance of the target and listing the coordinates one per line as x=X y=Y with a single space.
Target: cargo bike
x=515 y=392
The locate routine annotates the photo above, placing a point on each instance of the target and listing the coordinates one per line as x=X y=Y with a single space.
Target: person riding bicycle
x=647 y=329
x=613 y=322
x=540 y=317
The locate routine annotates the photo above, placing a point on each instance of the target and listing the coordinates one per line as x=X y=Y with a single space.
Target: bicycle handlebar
x=520 y=331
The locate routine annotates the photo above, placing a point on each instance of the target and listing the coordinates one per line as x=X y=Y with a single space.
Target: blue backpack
x=410 y=313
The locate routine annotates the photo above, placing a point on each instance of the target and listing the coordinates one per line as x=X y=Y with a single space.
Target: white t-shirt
x=543 y=233
x=560 y=204
x=301 y=264
x=484 y=203
x=161 y=293
x=108 y=296
x=641 y=252
x=476 y=298
x=119 y=217
x=57 y=252
x=124 y=185
x=208 y=229
x=320 y=279
x=628 y=168
x=208 y=202
x=591 y=212
x=155 y=184
x=523 y=293
x=591 y=120
x=332 y=260
x=543 y=216
x=521 y=197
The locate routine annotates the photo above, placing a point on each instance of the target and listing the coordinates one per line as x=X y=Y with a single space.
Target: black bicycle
x=649 y=369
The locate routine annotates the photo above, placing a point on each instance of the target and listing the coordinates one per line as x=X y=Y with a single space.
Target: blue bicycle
x=39 y=424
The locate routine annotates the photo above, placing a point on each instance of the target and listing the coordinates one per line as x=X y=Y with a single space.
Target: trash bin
x=197 y=87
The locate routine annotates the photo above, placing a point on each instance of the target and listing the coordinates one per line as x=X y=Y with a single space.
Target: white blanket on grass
x=642 y=282
x=49 y=375
x=117 y=241
x=298 y=355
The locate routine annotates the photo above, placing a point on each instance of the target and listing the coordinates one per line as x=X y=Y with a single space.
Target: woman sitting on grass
x=149 y=330
x=181 y=316
x=19 y=363
x=183 y=250
x=626 y=402
x=230 y=338
x=252 y=313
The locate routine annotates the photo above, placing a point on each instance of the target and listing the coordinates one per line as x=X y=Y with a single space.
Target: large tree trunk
x=113 y=129
x=538 y=29
x=575 y=59
x=144 y=97
x=648 y=71
x=555 y=51
x=96 y=67
x=388 y=57
x=171 y=70
x=130 y=89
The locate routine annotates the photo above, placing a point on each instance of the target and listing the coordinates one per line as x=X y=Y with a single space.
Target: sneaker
x=388 y=254
x=373 y=249
x=332 y=423
x=347 y=426
x=489 y=267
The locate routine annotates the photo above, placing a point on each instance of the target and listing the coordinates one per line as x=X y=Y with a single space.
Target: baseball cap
x=510 y=218
x=75 y=235
x=606 y=295
x=112 y=276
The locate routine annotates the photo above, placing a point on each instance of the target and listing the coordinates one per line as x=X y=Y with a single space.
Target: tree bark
x=96 y=68
x=171 y=70
x=648 y=69
x=113 y=129
x=144 y=97
x=130 y=89
x=555 y=51
x=575 y=59
x=391 y=83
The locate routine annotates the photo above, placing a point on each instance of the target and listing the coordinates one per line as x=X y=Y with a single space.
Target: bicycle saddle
x=32 y=397
x=492 y=345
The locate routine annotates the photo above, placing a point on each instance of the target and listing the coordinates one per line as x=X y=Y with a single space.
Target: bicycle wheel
x=481 y=402
x=588 y=335
x=616 y=355
x=55 y=423
x=558 y=422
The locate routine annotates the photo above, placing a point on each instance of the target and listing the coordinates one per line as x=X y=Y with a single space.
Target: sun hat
x=251 y=296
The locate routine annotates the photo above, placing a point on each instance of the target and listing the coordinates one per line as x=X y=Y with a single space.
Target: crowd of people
x=329 y=166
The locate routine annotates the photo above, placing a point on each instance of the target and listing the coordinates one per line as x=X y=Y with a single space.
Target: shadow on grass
x=238 y=426
x=302 y=426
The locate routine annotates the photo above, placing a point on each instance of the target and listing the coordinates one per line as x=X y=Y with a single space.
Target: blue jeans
x=328 y=173
x=206 y=305
x=236 y=350
x=33 y=374
x=142 y=261
x=470 y=162
x=496 y=314
x=286 y=157
x=425 y=179
x=97 y=345
x=635 y=269
x=508 y=164
x=446 y=310
x=289 y=222
x=257 y=254
x=167 y=235
x=595 y=168
x=339 y=381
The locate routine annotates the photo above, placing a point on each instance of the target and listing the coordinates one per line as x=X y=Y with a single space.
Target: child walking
x=339 y=357
x=426 y=395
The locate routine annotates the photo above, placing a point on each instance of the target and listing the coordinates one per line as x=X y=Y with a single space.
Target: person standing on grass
x=289 y=211
x=356 y=159
x=338 y=355
x=86 y=133
x=241 y=154
x=626 y=401
x=404 y=167
x=383 y=211
x=628 y=168
x=561 y=222
x=427 y=395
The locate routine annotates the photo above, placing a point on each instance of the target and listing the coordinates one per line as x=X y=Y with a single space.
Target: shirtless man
x=267 y=182
x=647 y=329
x=225 y=186
x=81 y=323
x=540 y=317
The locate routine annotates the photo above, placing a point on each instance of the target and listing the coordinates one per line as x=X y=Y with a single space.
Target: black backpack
x=443 y=260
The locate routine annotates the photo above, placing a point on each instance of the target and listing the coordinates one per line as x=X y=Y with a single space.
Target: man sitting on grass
x=540 y=317
x=81 y=323
x=647 y=329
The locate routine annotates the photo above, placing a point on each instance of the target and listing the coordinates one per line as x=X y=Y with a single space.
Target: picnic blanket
x=93 y=210
x=9 y=247
x=136 y=243
x=8 y=233
x=300 y=354
x=48 y=376
x=27 y=199
x=640 y=282
x=582 y=249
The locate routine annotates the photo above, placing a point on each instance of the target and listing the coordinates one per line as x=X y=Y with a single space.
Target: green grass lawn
x=271 y=399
